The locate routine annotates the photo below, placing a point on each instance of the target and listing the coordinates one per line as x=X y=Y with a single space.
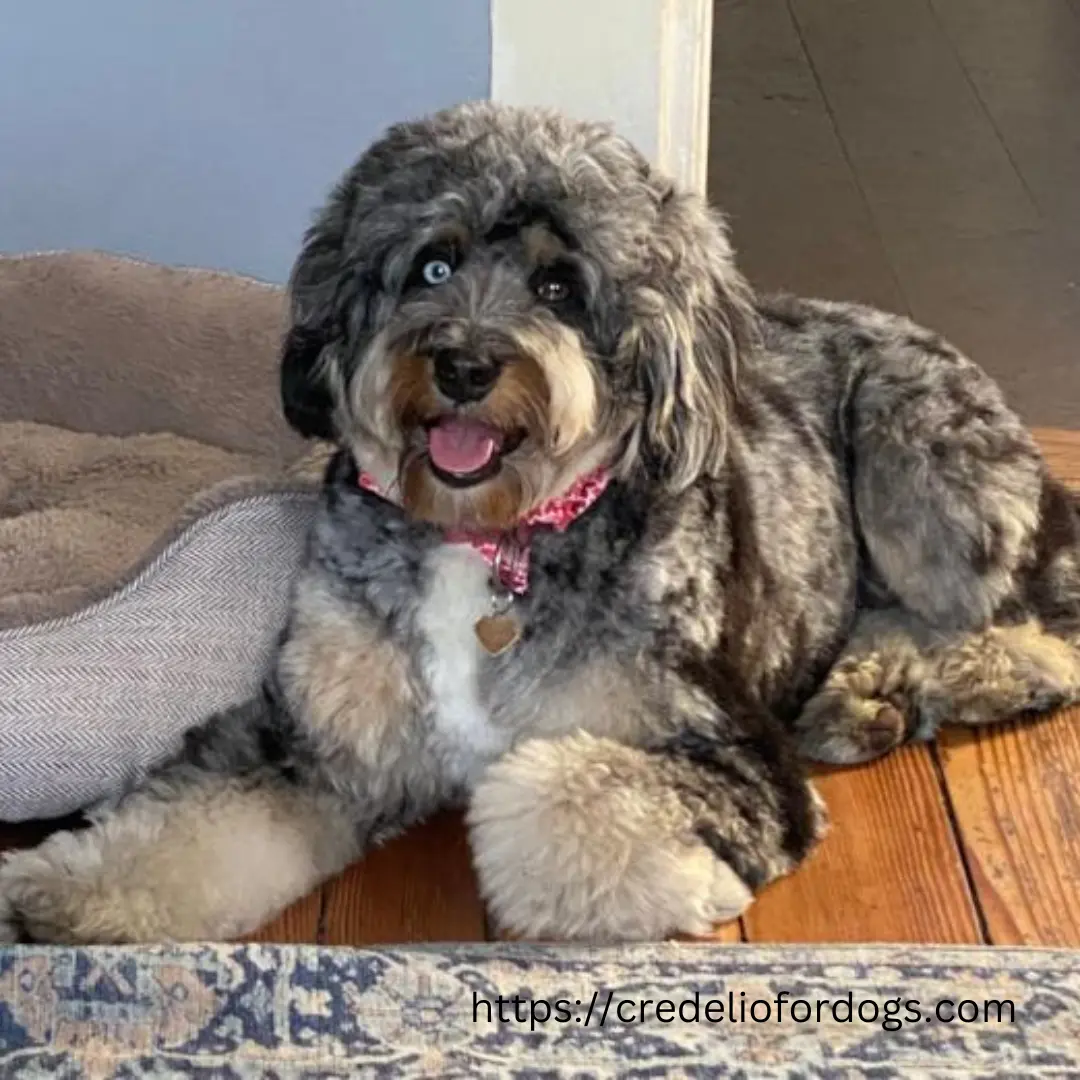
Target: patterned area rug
x=515 y=1010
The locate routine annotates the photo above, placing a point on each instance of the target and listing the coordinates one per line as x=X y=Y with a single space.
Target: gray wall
x=204 y=132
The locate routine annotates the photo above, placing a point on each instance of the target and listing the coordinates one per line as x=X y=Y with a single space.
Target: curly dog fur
x=824 y=533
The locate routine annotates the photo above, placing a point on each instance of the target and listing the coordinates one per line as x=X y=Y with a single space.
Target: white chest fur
x=458 y=593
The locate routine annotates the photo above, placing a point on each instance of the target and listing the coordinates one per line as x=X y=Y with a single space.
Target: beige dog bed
x=153 y=509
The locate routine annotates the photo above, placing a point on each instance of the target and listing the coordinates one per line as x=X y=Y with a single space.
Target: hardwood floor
x=889 y=870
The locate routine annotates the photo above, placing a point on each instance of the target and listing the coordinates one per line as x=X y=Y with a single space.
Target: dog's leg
x=215 y=844
x=586 y=837
x=901 y=679
x=946 y=480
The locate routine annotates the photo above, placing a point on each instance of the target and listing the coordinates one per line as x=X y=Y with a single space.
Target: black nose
x=462 y=376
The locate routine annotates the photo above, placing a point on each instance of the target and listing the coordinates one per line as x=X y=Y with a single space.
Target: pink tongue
x=461 y=446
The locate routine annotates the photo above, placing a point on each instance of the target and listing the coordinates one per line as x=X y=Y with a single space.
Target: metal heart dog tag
x=500 y=629
x=497 y=633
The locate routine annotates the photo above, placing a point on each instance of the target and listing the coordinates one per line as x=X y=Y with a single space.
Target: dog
x=609 y=547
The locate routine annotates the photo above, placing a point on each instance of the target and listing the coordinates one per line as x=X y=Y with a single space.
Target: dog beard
x=483 y=465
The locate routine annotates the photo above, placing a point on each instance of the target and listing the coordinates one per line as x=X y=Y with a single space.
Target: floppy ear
x=305 y=393
x=691 y=321
x=314 y=285
x=324 y=286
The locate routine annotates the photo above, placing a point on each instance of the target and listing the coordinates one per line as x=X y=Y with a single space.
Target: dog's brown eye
x=552 y=290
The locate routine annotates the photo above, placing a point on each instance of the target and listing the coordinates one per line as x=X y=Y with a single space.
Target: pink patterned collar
x=507 y=553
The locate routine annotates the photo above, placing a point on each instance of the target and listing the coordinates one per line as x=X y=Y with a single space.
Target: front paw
x=576 y=838
x=40 y=898
x=840 y=728
x=67 y=891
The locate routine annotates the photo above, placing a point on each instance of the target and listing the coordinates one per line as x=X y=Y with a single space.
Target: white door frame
x=642 y=65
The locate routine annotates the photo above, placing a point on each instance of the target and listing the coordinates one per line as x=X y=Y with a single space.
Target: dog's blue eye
x=436 y=271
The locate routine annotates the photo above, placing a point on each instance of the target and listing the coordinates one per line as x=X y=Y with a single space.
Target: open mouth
x=463 y=451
